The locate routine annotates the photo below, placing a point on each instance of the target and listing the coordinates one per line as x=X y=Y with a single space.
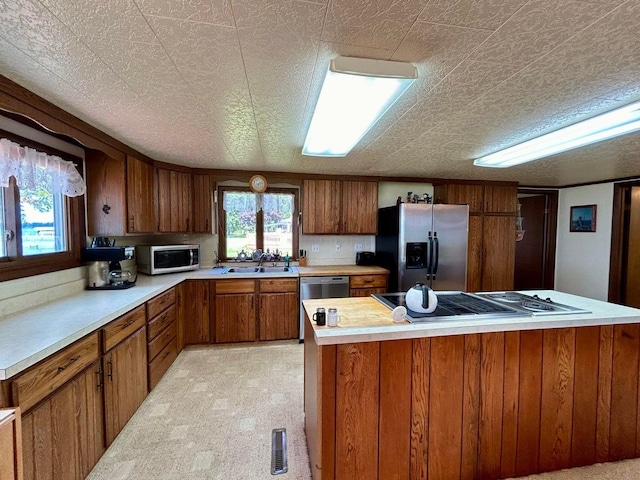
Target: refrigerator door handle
x=437 y=254
x=430 y=257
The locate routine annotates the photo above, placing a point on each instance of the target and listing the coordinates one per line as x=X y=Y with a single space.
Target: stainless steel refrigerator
x=424 y=243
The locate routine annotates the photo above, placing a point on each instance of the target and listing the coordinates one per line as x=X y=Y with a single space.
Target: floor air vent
x=279 y=451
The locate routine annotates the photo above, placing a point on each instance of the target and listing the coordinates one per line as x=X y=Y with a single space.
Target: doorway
x=536 y=249
x=624 y=273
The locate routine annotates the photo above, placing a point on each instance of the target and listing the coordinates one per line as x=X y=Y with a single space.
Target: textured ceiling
x=232 y=83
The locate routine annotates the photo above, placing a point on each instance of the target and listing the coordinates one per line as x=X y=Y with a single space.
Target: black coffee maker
x=103 y=263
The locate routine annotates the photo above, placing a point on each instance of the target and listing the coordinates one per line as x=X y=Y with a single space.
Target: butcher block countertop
x=364 y=319
x=330 y=270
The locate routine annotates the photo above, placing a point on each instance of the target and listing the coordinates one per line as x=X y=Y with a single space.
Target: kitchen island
x=465 y=399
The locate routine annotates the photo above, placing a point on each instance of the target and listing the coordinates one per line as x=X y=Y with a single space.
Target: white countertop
x=34 y=334
x=602 y=313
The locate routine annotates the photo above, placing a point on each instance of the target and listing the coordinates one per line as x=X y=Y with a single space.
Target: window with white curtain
x=37 y=206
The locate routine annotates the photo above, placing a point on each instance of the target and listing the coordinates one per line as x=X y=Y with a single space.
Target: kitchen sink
x=275 y=269
x=258 y=270
x=244 y=270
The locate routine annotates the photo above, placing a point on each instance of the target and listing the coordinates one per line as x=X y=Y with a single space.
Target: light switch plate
x=358 y=247
x=337 y=247
x=315 y=248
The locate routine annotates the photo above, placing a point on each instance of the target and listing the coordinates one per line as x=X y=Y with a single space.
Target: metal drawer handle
x=130 y=322
x=110 y=374
x=73 y=359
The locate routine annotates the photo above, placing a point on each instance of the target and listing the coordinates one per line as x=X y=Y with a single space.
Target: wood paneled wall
x=487 y=406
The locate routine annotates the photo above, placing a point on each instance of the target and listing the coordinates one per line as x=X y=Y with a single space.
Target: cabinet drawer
x=161 y=341
x=161 y=302
x=367 y=281
x=159 y=323
x=50 y=374
x=162 y=362
x=279 y=285
x=122 y=327
x=235 y=286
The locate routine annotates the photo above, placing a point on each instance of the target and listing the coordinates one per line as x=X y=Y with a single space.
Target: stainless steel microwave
x=156 y=259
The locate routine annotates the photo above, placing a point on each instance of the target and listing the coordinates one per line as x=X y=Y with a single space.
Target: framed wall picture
x=583 y=218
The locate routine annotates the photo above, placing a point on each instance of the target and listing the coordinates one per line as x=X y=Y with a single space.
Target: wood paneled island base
x=472 y=406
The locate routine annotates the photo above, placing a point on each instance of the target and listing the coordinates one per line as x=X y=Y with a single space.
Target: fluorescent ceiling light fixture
x=602 y=127
x=355 y=94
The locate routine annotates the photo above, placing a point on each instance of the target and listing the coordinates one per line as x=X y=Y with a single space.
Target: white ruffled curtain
x=32 y=168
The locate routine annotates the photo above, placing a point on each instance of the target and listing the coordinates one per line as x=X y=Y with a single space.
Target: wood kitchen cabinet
x=278 y=309
x=63 y=436
x=359 y=208
x=235 y=311
x=120 y=195
x=10 y=444
x=141 y=207
x=202 y=204
x=193 y=303
x=339 y=207
x=174 y=201
x=491 y=244
x=321 y=206
x=125 y=369
x=365 y=285
x=162 y=341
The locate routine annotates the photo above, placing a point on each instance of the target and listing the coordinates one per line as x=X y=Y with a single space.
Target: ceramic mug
x=333 y=319
x=319 y=317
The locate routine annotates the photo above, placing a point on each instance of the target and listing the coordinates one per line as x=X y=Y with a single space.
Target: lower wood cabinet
x=192 y=299
x=365 y=285
x=63 y=436
x=278 y=309
x=162 y=346
x=235 y=313
x=10 y=444
x=125 y=382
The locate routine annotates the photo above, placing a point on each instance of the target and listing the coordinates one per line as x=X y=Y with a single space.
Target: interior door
x=632 y=270
x=529 y=270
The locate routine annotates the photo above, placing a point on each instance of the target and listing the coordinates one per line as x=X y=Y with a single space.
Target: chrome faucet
x=262 y=257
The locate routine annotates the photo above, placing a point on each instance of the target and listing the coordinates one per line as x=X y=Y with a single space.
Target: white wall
x=582 y=258
x=388 y=192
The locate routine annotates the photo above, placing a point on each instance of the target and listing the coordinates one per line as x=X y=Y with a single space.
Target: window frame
x=15 y=265
x=222 y=216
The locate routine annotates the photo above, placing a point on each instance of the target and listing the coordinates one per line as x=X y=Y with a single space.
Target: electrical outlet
x=358 y=247
x=315 y=248
x=337 y=247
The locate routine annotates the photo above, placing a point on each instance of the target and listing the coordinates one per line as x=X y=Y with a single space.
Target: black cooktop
x=451 y=304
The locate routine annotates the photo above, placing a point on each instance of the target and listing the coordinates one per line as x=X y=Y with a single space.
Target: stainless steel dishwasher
x=321 y=287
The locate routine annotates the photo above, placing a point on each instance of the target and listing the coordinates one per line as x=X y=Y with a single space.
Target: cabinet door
x=499 y=240
x=474 y=254
x=278 y=316
x=366 y=292
x=500 y=198
x=193 y=308
x=106 y=201
x=202 y=201
x=320 y=206
x=63 y=437
x=235 y=318
x=359 y=207
x=141 y=208
x=125 y=383
x=174 y=201
x=10 y=445
x=460 y=194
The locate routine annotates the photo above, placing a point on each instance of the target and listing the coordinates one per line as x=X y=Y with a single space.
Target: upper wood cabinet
x=141 y=207
x=500 y=199
x=174 y=201
x=202 y=204
x=359 y=208
x=460 y=194
x=320 y=206
x=120 y=195
x=339 y=207
x=106 y=194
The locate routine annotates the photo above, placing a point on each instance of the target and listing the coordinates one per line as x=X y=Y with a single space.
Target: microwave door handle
x=191 y=256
